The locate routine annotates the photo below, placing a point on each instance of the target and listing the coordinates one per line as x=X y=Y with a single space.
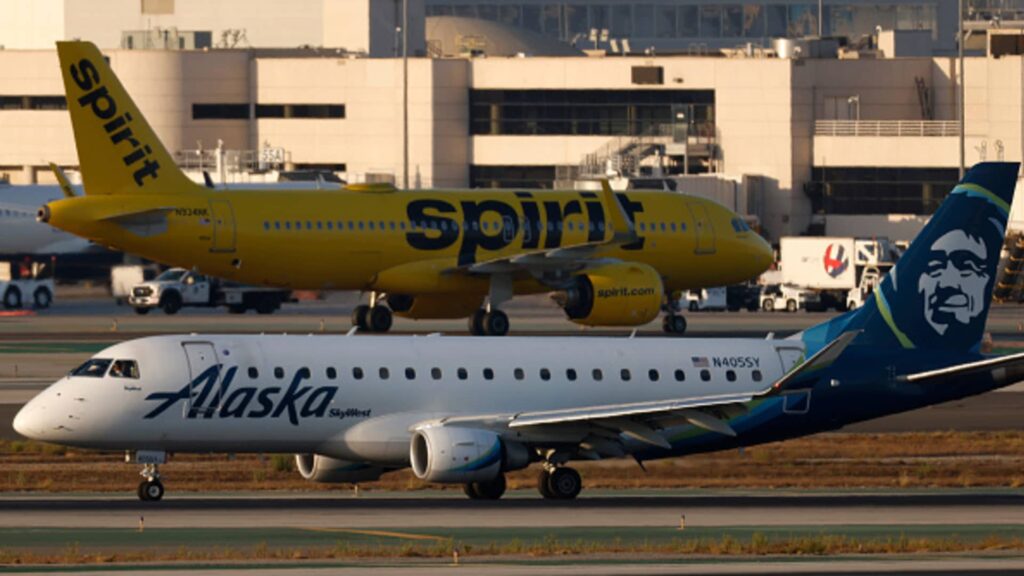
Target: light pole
x=961 y=103
x=405 y=94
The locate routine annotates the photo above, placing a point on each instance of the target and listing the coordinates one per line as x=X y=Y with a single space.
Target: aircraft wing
x=638 y=420
x=1008 y=368
x=571 y=257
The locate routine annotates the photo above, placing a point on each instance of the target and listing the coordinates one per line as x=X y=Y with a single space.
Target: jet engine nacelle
x=434 y=306
x=462 y=455
x=620 y=294
x=332 y=471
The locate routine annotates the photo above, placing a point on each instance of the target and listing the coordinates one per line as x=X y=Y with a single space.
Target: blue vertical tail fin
x=938 y=295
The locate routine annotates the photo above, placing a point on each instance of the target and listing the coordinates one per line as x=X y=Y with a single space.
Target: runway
x=522 y=510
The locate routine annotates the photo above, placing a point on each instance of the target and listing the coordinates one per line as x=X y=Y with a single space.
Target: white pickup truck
x=177 y=287
x=26 y=283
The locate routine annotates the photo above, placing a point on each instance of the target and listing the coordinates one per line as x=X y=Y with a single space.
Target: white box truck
x=843 y=270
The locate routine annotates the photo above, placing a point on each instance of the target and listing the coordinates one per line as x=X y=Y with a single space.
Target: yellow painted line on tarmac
x=384 y=533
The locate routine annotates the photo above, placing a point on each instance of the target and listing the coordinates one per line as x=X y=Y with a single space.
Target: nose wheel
x=150 y=489
x=561 y=483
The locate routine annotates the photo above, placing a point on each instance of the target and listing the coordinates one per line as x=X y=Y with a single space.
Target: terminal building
x=854 y=132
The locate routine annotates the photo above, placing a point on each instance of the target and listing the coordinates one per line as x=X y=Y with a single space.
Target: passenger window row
x=545 y=374
x=382 y=225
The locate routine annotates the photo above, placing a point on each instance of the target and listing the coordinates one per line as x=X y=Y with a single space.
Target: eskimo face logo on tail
x=954 y=282
x=835 y=260
x=98 y=100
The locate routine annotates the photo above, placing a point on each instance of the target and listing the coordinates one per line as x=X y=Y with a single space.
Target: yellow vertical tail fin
x=117 y=149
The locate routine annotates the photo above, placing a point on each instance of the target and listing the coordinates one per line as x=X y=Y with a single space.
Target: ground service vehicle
x=124 y=277
x=463 y=410
x=704 y=299
x=177 y=288
x=787 y=297
x=26 y=283
x=613 y=259
x=843 y=271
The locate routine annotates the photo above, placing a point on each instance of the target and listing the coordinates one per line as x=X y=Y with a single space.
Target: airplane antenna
x=640 y=463
x=633 y=333
x=770 y=336
x=352 y=330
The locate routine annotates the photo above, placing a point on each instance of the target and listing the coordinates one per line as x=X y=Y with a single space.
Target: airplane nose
x=24 y=421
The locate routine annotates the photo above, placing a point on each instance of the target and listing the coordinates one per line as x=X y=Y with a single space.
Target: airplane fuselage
x=353 y=398
x=405 y=241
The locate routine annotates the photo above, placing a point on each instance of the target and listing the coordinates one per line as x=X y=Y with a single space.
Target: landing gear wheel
x=151 y=490
x=12 y=298
x=360 y=317
x=42 y=298
x=791 y=306
x=674 y=324
x=565 y=483
x=492 y=490
x=266 y=305
x=171 y=303
x=495 y=323
x=542 y=485
x=380 y=318
x=476 y=323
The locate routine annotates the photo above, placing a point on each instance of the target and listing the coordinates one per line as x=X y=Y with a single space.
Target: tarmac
x=37 y=349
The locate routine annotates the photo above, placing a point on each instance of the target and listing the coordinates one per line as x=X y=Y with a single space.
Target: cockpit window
x=94 y=368
x=124 y=369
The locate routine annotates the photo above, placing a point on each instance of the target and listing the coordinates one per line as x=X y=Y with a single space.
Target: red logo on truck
x=836 y=260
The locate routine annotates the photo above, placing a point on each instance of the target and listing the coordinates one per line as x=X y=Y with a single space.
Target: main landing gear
x=559 y=482
x=674 y=322
x=488 y=323
x=376 y=317
x=486 y=490
x=150 y=489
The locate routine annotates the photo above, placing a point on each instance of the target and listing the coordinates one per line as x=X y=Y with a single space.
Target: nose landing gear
x=150 y=489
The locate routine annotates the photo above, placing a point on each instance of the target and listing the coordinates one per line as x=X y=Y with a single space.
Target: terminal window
x=861 y=190
x=33 y=103
x=590 y=112
x=692 y=19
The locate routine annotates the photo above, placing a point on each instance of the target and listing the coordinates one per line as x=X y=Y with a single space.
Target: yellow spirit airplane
x=612 y=259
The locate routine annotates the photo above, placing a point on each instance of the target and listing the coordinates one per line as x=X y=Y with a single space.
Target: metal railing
x=886 y=128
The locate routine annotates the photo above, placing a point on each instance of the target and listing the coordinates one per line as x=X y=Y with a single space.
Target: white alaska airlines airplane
x=467 y=410
x=21 y=234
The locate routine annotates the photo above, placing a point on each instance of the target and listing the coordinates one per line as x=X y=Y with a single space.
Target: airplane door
x=204 y=393
x=703 y=228
x=508 y=229
x=223 y=218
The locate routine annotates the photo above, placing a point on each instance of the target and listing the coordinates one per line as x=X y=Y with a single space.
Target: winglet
x=62 y=179
x=824 y=358
x=622 y=228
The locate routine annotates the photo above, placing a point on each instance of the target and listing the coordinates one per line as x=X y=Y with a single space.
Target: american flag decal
x=700 y=361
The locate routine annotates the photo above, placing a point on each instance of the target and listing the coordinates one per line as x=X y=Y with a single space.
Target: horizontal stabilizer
x=991 y=365
x=62 y=179
x=149 y=222
x=798 y=376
